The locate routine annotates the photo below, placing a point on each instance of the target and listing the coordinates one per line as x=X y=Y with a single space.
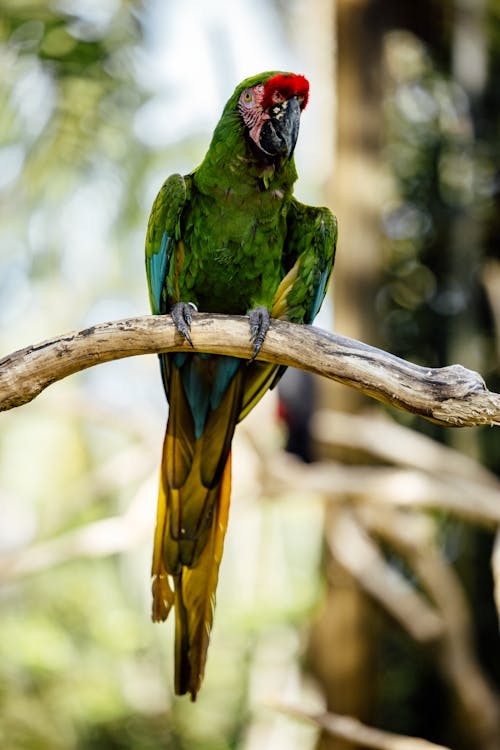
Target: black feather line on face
x=271 y=133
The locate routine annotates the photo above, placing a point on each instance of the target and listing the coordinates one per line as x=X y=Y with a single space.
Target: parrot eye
x=247 y=97
x=249 y=104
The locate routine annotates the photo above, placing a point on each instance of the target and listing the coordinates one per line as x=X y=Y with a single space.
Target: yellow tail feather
x=194 y=589
x=163 y=596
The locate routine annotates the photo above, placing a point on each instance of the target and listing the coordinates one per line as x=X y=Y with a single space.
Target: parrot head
x=270 y=106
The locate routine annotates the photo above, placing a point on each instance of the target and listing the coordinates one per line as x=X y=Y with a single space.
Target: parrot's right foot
x=260 y=319
x=182 y=315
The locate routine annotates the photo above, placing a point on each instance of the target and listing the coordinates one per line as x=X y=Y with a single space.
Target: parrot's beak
x=278 y=135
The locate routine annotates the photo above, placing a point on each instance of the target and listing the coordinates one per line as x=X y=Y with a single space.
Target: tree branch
x=452 y=396
x=352 y=730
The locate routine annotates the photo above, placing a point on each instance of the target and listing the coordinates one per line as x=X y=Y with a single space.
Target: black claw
x=260 y=319
x=182 y=315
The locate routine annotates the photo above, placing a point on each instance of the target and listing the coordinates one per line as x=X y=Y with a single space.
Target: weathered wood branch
x=451 y=395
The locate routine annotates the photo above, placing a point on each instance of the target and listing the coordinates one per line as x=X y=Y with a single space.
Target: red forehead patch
x=287 y=85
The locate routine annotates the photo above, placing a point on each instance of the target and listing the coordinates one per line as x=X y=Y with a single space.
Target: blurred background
x=359 y=576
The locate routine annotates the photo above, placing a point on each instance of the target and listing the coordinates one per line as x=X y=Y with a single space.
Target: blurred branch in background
x=383 y=516
x=101 y=538
x=420 y=475
x=358 y=734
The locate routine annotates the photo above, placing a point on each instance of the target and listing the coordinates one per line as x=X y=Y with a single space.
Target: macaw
x=227 y=238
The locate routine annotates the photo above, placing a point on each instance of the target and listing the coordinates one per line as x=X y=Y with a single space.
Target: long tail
x=191 y=589
x=208 y=395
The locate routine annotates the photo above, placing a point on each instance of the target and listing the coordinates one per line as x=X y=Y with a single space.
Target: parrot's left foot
x=182 y=315
x=260 y=319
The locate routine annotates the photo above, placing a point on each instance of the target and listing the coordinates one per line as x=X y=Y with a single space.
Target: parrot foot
x=182 y=314
x=260 y=319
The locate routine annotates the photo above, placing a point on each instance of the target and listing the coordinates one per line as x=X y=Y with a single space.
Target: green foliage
x=445 y=187
x=442 y=148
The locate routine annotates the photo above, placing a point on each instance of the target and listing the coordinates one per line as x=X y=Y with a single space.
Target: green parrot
x=227 y=238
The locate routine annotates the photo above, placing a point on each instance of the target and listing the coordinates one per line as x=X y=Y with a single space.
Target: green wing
x=162 y=236
x=309 y=256
x=307 y=264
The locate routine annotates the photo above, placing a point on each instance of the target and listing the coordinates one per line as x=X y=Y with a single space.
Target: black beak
x=278 y=135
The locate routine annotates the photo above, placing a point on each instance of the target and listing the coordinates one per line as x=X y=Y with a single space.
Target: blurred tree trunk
x=472 y=236
x=344 y=638
x=341 y=646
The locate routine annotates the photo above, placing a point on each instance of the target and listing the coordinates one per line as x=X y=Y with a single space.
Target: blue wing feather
x=158 y=266
x=161 y=238
x=319 y=295
x=205 y=384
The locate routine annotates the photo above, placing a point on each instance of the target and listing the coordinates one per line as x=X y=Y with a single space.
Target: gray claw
x=182 y=315
x=260 y=319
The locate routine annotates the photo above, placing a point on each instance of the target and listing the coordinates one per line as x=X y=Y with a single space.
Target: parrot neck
x=230 y=166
